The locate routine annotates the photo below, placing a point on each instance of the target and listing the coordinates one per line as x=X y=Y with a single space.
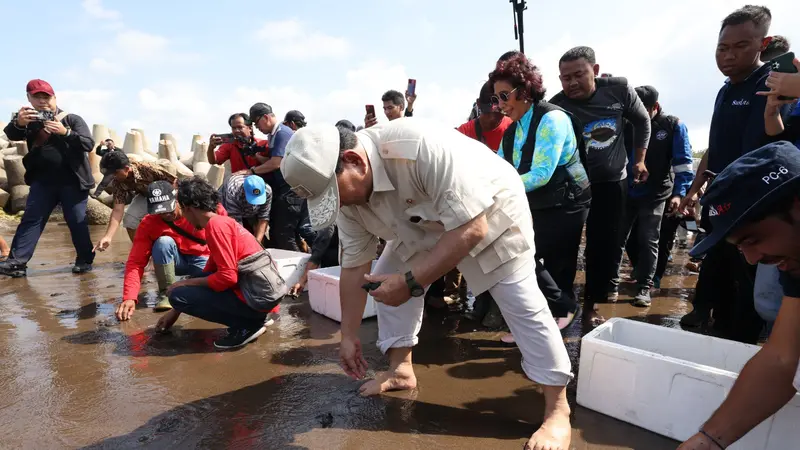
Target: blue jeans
x=42 y=199
x=218 y=307
x=165 y=251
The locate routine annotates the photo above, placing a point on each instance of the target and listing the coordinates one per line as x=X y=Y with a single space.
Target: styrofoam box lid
x=675 y=344
x=286 y=254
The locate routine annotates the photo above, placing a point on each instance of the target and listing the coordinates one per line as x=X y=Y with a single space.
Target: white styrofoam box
x=291 y=265
x=323 y=293
x=670 y=381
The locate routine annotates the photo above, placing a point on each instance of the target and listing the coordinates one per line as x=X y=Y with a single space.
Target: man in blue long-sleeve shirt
x=669 y=162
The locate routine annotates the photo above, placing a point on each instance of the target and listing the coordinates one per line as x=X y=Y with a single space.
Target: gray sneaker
x=642 y=297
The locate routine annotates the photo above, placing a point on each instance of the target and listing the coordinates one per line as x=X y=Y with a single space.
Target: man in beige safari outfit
x=440 y=200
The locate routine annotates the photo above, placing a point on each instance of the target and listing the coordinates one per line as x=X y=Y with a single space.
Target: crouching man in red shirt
x=176 y=246
x=217 y=297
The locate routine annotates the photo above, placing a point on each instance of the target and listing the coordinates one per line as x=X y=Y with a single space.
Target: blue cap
x=255 y=190
x=748 y=187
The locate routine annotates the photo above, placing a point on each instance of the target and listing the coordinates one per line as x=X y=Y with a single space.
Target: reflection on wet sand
x=72 y=377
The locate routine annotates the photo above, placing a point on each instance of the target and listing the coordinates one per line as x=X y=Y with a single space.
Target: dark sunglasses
x=504 y=96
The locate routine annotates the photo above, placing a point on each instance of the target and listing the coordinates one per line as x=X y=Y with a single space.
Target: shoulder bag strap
x=185 y=233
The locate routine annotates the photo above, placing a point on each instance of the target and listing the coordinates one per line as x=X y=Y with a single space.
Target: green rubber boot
x=165 y=275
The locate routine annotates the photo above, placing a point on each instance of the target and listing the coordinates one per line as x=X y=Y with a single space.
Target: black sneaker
x=13 y=270
x=239 y=337
x=642 y=297
x=81 y=268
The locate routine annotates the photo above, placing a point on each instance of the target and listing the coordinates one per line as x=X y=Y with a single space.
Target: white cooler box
x=291 y=265
x=670 y=381
x=323 y=293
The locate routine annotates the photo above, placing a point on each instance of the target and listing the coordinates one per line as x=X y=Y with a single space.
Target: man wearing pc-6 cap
x=440 y=200
x=755 y=204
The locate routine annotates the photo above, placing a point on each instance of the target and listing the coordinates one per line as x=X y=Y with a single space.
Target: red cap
x=36 y=86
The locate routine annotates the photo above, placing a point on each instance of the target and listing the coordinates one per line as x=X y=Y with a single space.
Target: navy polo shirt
x=277 y=147
x=737 y=126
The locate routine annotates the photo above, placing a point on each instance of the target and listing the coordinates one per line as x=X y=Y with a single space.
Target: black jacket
x=71 y=150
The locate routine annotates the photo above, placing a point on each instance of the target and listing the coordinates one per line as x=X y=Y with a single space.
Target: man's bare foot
x=400 y=379
x=555 y=433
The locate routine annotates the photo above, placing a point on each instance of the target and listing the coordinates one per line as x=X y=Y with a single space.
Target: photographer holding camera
x=240 y=146
x=57 y=171
x=107 y=146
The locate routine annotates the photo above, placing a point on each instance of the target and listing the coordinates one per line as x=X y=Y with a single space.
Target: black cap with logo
x=160 y=197
x=747 y=188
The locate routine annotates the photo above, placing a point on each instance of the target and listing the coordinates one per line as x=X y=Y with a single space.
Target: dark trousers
x=557 y=236
x=641 y=226
x=286 y=220
x=603 y=238
x=41 y=202
x=666 y=242
x=725 y=284
x=218 y=307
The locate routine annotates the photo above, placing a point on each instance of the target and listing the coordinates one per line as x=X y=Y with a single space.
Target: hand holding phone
x=784 y=78
x=370 y=119
x=411 y=91
x=371 y=286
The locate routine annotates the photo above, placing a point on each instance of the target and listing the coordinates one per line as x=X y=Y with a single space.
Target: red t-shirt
x=231 y=151
x=492 y=138
x=150 y=229
x=228 y=243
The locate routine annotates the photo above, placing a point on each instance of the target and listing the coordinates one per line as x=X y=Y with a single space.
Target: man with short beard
x=755 y=208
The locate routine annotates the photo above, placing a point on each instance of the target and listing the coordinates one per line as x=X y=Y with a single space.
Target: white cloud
x=96 y=10
x=292 y=39
x=93 y=104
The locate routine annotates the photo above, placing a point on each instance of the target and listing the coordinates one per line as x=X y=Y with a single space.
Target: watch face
x=417 y=292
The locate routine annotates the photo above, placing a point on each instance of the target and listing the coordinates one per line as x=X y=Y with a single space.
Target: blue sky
x=165 y=67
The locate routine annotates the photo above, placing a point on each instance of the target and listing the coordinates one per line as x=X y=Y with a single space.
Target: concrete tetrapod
x=22 y=147
x=3 y=179
x=19 y=197
x=99 y=134
x=4 y=196
x=97 y=213
x=216 y=176
x=15 y=171
x=145 y=142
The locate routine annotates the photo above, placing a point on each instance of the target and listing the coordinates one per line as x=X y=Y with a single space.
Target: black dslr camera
x=41 y=116
x=249 y=146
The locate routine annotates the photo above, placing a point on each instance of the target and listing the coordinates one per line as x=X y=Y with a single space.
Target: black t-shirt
x=790 y=285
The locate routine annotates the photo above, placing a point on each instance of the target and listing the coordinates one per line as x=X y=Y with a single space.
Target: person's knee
x=164 y=249
x=180 y=297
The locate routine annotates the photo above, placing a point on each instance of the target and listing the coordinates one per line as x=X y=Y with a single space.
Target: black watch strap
x=416 y=289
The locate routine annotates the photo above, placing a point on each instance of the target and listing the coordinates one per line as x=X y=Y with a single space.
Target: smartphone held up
x=783 y=64
x=412 y=87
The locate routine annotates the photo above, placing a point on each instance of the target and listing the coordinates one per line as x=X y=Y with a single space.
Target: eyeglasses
x=504 y=96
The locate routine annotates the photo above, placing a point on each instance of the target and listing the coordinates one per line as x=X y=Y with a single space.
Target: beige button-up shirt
x=428 y=180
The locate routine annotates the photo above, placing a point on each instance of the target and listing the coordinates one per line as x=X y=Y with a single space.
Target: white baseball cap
x=309 y=167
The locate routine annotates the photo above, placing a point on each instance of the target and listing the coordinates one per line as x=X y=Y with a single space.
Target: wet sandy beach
x=72 y=377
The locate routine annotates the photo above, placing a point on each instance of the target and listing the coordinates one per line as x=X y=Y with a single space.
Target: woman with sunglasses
x=544 y=148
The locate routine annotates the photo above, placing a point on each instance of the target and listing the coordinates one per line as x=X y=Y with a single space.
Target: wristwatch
x=416 y=289
x=253 y=170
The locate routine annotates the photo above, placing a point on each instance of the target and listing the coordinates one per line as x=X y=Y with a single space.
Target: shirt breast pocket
x=425 y=216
